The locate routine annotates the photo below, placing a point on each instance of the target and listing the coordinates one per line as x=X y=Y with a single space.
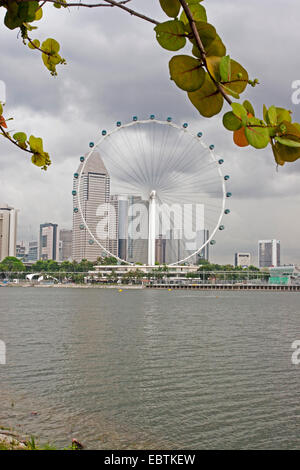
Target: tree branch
x=108 y=3
x=6 y=134
x=201 y=47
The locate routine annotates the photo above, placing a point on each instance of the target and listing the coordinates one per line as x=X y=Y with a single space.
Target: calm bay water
x=150 y=368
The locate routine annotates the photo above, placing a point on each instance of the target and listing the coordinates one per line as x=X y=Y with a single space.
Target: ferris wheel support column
x=151 y=232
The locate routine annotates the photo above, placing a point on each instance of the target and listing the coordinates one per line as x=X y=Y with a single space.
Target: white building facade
x=8 y=231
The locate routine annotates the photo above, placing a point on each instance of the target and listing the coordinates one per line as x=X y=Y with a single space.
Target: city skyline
x=269 y=251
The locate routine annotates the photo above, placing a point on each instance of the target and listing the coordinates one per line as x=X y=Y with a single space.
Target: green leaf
x=170 y=7
x=225 y=69
x=216 y=48
x=1 y=109
x=283 y=115
x=283 y=153
x=51 y=46
x=38 y=14
x=231 y=122
x=265 y=112
x=231 y=92
x=36 y=144
x=208 y=100
x=258 y=137
x=198 y=13
x=38 y=159
x=297 y=126
x=171 y=35
x=213 y=66
x=289 y=131
x=207 y=33
x=36 y=43
x=12 y=19
x=287 y=142
x=27 y=10
x=239 y=77
x=20 y=137
x=240 y=112
x=186 y=72
x=272 y=116
x=249 y=108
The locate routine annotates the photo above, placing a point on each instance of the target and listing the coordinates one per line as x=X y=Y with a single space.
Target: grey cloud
x=115 y=70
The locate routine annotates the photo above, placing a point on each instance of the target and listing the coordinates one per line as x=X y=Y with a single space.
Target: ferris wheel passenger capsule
x=211 y=147
x=119 y=124
x=222 y=227
x=169 y=119
x=135 y=118
x=104 y=132
x=226 y=178
x=76 y=175
x=81 y=159
x=228 y=194
x=213 y=242
x=91 y=144
x=185 y=125
x=221 y=161
x=200 y=134
x=74 y=192
x=227 y=211
x=152 y=116
x=75 y=210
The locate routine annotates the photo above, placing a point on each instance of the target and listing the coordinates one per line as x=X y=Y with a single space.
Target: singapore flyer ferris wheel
x=159 y=193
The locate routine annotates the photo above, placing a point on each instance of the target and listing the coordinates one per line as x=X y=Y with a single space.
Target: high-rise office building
x=123 y=227
x=21 y=251
x=202 y=237
x=48 y=242
x=98 y=209
x=8 y=231
x=268 y=253
x=160 y=249
x=242 y=259
x=137 y=251
x=65 y=244
x=33 y=252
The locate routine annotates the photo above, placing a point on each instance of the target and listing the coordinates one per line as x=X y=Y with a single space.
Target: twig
x=38 y=48
x=108 y=3
x=12 y=140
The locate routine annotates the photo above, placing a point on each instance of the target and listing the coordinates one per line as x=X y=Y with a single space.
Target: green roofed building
x=282 y=275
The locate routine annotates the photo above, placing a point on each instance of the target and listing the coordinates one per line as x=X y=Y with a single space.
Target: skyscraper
x=201 y=237
x=8 y=231
x=33 y=251
x=65 y=244
x=137 y=247
x=268 y=253
x=98 y=209
x=48 y=242
x=123 y=227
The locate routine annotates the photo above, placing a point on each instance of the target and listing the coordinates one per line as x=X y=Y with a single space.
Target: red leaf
x=2 y=122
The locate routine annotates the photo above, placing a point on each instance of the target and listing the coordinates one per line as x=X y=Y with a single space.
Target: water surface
x=151 y=368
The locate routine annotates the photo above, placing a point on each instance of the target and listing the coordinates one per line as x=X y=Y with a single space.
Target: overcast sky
x=115 y=70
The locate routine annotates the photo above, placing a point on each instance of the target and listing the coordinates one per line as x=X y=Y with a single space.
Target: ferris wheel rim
x=183 y=128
